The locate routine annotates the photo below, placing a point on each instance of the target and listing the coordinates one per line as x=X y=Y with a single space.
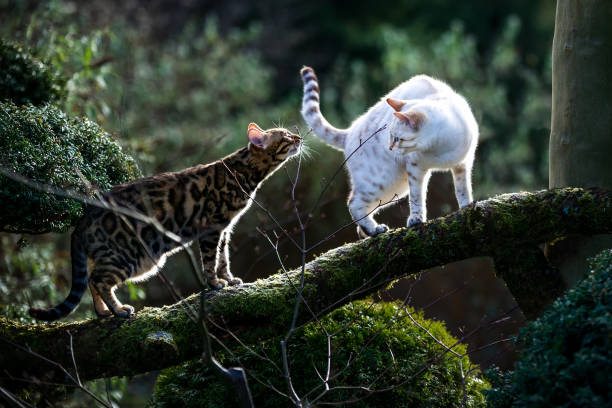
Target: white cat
x=429 y=127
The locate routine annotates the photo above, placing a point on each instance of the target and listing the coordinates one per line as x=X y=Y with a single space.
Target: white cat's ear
x=414 y=119
x=256 y=136
x=396 y=104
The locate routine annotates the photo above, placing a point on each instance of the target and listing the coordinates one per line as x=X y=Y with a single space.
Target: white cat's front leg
x=362 y=207
x=418 y=180
x=462 y=175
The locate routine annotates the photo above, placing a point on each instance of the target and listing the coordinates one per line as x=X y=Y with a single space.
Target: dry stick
x=283 y=342
x=76 y=371
x=486 y=346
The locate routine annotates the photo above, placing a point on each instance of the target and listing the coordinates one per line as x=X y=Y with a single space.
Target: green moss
x=43 y=144
x=25 y=79
x=567 y=353
x=265 y=299
x=384 y=351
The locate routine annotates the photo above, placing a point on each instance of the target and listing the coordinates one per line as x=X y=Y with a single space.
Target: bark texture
x=509 y=228
x=581 y=123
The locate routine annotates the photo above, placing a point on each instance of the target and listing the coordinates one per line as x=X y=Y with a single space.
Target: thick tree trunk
x=581 y=124
x=507 y=228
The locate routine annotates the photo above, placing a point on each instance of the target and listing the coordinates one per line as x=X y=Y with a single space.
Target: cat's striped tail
x=79 y=286
x=311 y=111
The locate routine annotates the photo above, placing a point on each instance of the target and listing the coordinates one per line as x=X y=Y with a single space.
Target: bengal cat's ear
x=396 y=104
x=257 y=136
x=412 y=118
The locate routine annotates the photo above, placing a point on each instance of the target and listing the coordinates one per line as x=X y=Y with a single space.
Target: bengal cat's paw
x=104 y=314
x=414 y=220
x=217 y=283
x=124 y=311
x=235 y=281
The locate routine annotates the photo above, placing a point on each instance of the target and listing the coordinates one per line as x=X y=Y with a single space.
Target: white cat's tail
x=311 y=111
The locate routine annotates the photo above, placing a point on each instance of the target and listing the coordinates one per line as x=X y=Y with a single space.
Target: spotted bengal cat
x=199 y=203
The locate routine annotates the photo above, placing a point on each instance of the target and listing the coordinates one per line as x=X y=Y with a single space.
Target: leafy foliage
x=26 y=273
x=567 y=355
x=43 y=144
x=372 y=345
x=24 y=79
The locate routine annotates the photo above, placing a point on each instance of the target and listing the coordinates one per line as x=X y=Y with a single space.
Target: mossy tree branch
x=508 y=227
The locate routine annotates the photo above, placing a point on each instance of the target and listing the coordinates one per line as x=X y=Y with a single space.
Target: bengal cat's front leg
x=209 y=242
x=223 y=262
x=99 y=305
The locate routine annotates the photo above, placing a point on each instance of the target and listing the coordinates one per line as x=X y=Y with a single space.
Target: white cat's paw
x=379 y=229
x=414 y=220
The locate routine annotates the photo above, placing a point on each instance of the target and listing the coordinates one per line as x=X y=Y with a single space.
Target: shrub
x=24 y=79
x=567 y=353
x=43 y=144
x=384 y=351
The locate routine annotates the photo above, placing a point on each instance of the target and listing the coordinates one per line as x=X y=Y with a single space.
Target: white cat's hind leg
x=462 y=175
x=418 y=179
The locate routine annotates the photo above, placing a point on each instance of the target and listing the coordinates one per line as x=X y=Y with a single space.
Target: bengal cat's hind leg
x=105 y=281
x=223 y=262
x=99 y=305
x=209 y=242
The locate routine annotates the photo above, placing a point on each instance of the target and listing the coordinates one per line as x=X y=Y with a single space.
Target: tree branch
x=507 y=228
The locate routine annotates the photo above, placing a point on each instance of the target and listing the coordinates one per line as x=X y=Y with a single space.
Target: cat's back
x=419 y=87
x=161 y=183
